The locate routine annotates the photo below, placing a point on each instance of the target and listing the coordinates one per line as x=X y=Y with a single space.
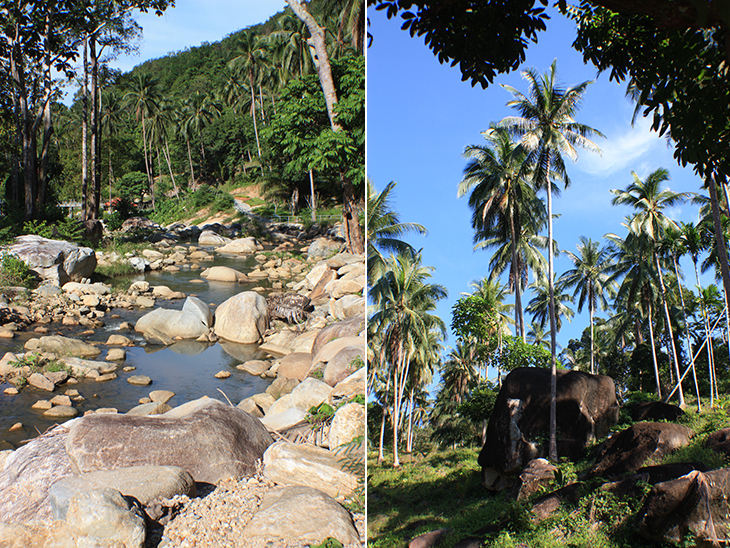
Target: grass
x=440 y=488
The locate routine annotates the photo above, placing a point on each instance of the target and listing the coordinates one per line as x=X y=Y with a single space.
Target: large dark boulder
x=519 y=426
x=719 y=441
x=690 y=508
x=640 y=444
x=655 y=411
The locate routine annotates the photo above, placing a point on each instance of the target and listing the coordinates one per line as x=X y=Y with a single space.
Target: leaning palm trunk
x=381 y=455
x=670 y=330
x=719 y=234
x=519 y=315
x=409 y=437
x=686 y=332
x=590 y=307
x=400 y=375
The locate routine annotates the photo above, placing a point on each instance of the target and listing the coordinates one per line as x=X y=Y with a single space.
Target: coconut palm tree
x=591 y=281
x=384 y=229
x=539 y=305
x=503 y=202
x=650 y=222
x=144 y=96
x=200 y=111
x=251 y=54
x=402 y=315
x=548 y=131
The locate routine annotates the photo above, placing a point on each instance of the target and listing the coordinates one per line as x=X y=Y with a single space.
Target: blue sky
x=421 y=116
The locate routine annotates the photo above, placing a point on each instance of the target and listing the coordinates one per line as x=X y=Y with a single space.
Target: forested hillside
x=246 y=110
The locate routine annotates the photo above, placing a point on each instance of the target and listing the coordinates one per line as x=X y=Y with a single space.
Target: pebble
x=222 y=374
x=144 y=400
x=106 y=377
x=10 y=391
x=17 y=426
x=72 y=392
x=60 y=400
x=42 y=404
x=128 y=368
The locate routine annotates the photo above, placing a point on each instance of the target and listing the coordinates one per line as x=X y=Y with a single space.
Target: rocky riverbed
x=303 y=309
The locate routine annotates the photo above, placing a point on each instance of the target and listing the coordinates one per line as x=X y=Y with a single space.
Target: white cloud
x=623 y=152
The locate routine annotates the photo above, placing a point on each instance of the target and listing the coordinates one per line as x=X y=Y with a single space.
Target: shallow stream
x=187 y=368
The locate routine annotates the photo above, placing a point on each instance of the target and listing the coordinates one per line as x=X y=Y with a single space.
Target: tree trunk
x=719 y=236
x=84 y=131
x=94 y=195
x=192 y=172
x=313 y=205
x=166 y=152
x=47 y=120
x=519 y=317
x=593 y=367
x=686 y=332
x=253 y=115
x=670 y=331
x=381 y=455
x=350 y=214
x=409 y=437
x=553 y=447
x=653 y=354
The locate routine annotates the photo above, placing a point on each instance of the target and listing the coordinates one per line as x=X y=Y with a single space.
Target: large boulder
x=223 y=274
x=243 y=318
x=194 y=320
x=241 y=245
x=301 y=514
x=210 y=440
x=302 y=464
x=690 y=508
x=322 y=248
x=347 y=328
x=55 y=261
x=637 y=446
x=655 y=411
x=62 y=346
x=518 y=428
x=29 y=473
x=210 y=238
x=139 y=223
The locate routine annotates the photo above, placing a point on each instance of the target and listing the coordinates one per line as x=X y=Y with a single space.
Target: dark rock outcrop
x=719 y=441
x=655 y=411
x=519 y=425
x=638 y=445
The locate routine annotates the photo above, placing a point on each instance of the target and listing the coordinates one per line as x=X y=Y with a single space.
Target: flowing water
x=186 y=368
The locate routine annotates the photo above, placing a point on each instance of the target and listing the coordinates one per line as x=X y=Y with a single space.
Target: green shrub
x=14 y=272
x=224 y=201
x=202 y=197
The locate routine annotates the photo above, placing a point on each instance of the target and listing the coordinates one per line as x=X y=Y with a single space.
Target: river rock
x=6 y=363
x=149 y=408
x=323 y=248
x=194 y=320
x=139 y=380
x=162 y=396
x=223 y=274
x=139 y=223
x=347 y=424
x=83 y=368
x=55 y=261
x=288 y=463
x=307 y=394
x=332 y=348
x=254 y=367
x=152 y=254
x=118 y=340
x=29 y=472
x=319 y=291
x=210 y=238
x=242 y=318
x=301 y=514
x=230 y=439
x=281 y=386
x=279 y=344
x=295 y=366
x=638 y=445
x=279 y=422
x=241 y=245
x=344 y=363
x=61 y=399
x=342 y=287
x=105 y=515
x=62 y=346
x=349 y=306
x=38 y=380
x=348 y=328
x=116 y=355
x=519 y=425
x=144 y=483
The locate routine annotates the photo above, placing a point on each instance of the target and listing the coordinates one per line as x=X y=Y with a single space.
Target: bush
x=202 y=197
x=14 y=272
x=224 y=201
x=132 y=185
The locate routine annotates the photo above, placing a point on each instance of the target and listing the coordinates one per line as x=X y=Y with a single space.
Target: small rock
x=222 y=374
x=118 y=340
x=116 y=355
x=144 y=400
x=106 y=377
x=151 y=408
x=6 y=333
x=61 y=412
x=40 y=381
x=139 y=380
x=60 y=400
x=42 y=405
x=72 y=393
x=10 y=391
x=162 y=396
x=128 y=368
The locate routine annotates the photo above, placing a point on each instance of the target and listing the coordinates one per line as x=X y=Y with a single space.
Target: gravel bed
x=217 y=516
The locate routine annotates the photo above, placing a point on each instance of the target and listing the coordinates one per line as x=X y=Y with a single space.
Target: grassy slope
x=440 y=488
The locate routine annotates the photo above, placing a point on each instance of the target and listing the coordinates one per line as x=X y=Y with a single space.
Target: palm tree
x=111 y=119
x=200 y=111
x=144 y=97
x=537 y=336
x=502 y=201
x=632 y=259
x=384 y=229
x=591 y=280
x=549 y=131
x=251 y=56
x=403 y=302
x=539 y=305
x=427 y=356
x=650 y=222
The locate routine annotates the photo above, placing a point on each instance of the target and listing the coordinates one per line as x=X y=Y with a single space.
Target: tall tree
x=502 y=200
x=548 y=130
x=650 y=222
x=591 y=279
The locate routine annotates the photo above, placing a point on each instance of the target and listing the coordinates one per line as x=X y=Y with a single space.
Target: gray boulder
x=243 y=318
x=299 y=514
x=194 y=320
x=323 y=248
x=230 y=440
x=62 y=346
x=210 y=238
x=55 y=261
